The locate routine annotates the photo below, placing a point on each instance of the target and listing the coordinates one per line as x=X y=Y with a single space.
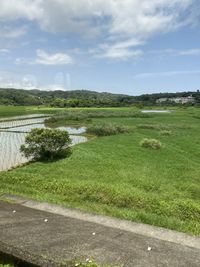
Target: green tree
x=46 y=144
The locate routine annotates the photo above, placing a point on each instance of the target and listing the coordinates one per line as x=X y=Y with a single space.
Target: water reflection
x=155 y=111
x=78 y=139
x=73 y=130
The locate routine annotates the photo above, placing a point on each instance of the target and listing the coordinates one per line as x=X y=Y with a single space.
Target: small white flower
x=45 y=220
x=149 y=248
x=94 y=233
x=14 y=211
x=77 y=264
x=87 y=260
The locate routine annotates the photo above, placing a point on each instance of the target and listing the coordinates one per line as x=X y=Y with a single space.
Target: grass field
x=114 y=175
x=9 y=111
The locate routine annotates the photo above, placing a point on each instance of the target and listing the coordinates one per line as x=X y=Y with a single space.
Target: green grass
x=9 y=111
x=115 y=176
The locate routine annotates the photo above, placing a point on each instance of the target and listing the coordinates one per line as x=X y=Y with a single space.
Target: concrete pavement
x=49 y=239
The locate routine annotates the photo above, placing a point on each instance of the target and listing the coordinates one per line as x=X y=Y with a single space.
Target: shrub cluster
x=151 y=143
x=107 y=129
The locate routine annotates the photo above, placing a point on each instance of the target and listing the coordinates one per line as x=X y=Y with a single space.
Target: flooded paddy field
x=13 y=133
x=16 y=123
x=24 y=117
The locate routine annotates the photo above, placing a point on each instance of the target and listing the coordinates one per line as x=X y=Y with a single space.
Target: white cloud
x=15 y=80
x=45 y=58
x=53 y=59
x=9 y=32
x=121 y=54
x=121 y=24
x=28 y=82
x=166 y=73
x=190 y=52
x=118 y=53
x=176 y=52
x=122 y=50
x=19 y=61
x=138 y=18
x=53 y=87
x=12 y=10
x=4 y=51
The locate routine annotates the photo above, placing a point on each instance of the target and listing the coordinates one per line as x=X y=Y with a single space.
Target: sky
x=119 y=46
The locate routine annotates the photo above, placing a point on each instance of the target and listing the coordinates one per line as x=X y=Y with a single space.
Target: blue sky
x=119 y=46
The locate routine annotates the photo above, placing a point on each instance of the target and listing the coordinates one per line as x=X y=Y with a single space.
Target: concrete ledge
x=25 y=258
x=137 y=228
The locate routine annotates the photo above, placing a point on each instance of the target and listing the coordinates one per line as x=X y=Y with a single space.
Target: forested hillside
x=82 y=98
x=63 y=98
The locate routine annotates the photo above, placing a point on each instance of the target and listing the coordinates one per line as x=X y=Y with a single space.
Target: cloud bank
x=121 y=24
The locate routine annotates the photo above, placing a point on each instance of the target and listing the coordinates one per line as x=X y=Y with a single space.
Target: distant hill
x=81 y=98
x=71 y=98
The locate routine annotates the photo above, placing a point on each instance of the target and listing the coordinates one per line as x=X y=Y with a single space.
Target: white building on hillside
x=178 y=100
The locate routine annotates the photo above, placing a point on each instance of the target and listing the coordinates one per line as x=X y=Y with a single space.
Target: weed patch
x=107 y=129
x=166 y=133
x=151 y=143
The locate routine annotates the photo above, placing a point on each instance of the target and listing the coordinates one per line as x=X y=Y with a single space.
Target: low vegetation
x=151 y=143
x=87 y=115
x=156 y=127
x=166 y=132
x=107 y=129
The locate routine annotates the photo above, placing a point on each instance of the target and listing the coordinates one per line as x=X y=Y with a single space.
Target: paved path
x=49 y=239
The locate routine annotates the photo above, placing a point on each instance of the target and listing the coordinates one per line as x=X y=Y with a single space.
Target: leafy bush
x=107 y=129
x=151 y=143
x=46 y=144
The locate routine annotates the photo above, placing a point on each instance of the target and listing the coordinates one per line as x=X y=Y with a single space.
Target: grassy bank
x=114 y=175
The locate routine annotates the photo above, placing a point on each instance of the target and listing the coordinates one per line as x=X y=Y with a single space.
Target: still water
x=155 y=111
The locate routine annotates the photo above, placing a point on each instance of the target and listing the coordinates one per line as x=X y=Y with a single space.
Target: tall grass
x=107 y=129
x=87 y=115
